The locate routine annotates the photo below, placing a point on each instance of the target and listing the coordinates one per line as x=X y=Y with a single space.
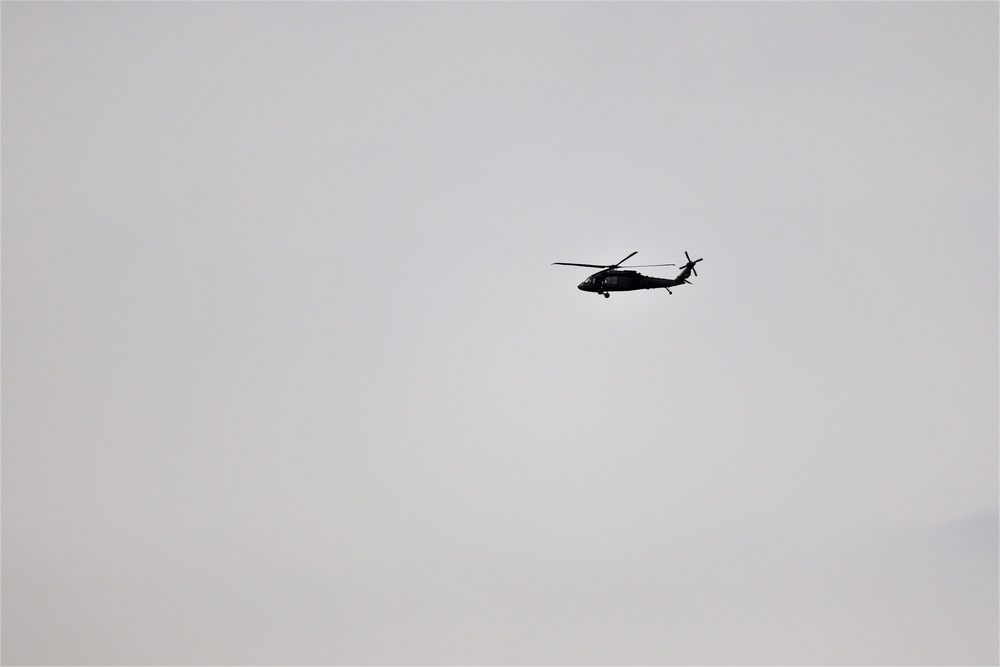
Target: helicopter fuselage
x=603 y=282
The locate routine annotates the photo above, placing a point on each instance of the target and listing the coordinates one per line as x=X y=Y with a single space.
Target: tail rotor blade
x=692 y=262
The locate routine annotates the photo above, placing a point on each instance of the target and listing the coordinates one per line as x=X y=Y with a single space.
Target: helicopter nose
x=582 y=286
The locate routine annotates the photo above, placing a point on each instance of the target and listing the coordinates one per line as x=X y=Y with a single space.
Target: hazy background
x=288 y=376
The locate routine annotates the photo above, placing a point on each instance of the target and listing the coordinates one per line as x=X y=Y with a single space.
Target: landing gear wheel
x=606 y=295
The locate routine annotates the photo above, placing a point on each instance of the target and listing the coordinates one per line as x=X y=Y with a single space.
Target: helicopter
x=614 y=277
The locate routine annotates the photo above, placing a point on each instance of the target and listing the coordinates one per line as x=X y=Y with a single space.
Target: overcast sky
x=289 y=378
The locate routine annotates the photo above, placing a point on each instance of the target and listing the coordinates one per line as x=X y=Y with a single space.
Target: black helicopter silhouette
x=613 y=277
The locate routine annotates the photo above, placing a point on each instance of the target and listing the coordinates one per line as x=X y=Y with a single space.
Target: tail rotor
x=691 y=262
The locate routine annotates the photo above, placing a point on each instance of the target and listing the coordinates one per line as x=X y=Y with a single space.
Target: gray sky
x=289 y=377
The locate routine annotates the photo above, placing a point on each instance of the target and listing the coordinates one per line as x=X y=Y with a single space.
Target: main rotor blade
x=624 y=260
x=593 y=266
x=643 y=266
